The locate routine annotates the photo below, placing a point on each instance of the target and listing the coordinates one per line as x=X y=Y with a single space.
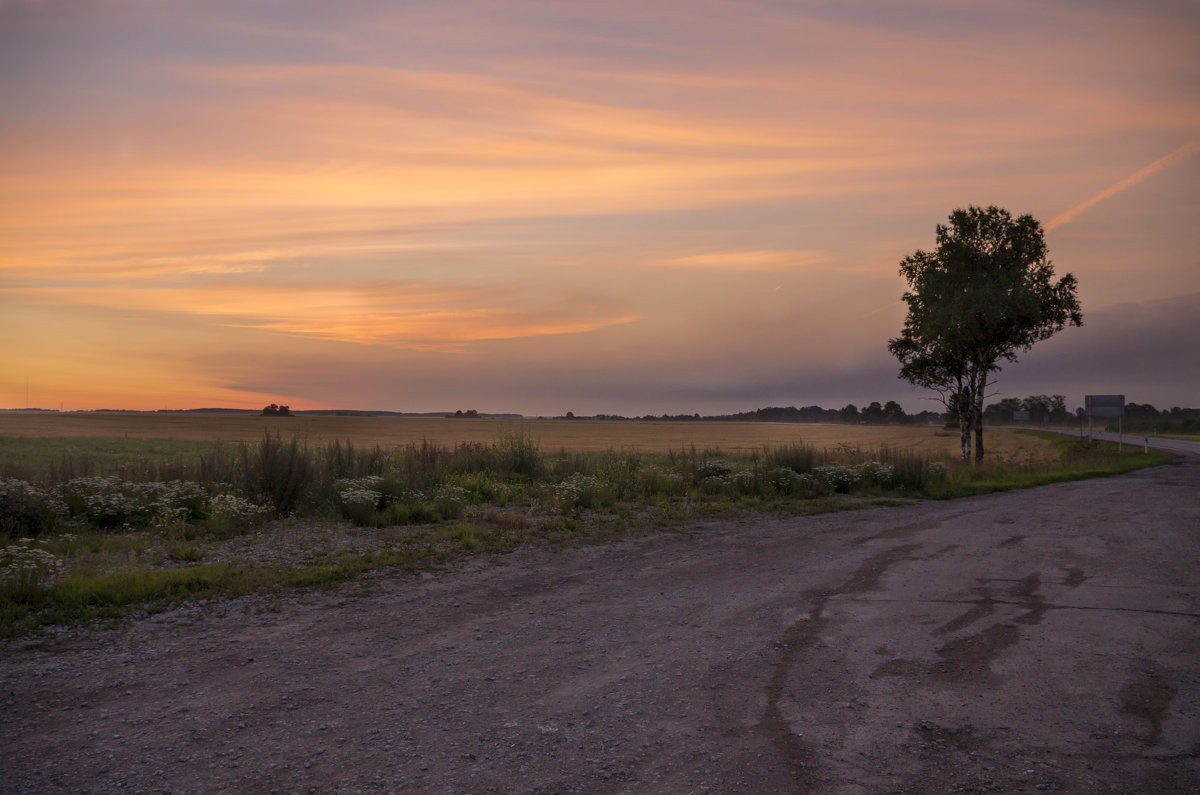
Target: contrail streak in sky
x=1182 y=153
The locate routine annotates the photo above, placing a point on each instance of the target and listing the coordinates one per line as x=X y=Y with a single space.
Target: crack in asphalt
x=983 y=606
x=1048 y=607
x=912 y=528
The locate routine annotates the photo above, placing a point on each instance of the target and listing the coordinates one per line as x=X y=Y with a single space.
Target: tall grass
x=83 y=535
x=425 y=482
x=225 y=486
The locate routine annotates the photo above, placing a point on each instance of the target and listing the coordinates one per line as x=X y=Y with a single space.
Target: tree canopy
x=984 y=295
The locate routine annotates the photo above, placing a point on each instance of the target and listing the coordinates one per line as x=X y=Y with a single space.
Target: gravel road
x=1046 y=639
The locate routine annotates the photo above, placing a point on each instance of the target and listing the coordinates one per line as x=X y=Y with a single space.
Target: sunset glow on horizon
x=536 y=207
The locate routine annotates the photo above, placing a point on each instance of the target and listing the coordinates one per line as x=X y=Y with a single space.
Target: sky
x=541 y=206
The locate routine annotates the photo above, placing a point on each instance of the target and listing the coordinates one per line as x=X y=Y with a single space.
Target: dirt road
x=1039 y=640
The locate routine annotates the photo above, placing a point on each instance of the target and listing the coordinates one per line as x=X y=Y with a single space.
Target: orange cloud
x=415 y=316
x=422 y=331
x=440 y=177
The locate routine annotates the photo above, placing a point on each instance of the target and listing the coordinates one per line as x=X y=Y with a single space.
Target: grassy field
x=647 y=436
x=108 y=513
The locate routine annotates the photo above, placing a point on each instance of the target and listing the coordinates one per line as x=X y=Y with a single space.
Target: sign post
x=1105 y=406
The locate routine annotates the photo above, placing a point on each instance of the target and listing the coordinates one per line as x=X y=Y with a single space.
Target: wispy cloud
x=747 y=260
x=413 y=316
x=532 y=177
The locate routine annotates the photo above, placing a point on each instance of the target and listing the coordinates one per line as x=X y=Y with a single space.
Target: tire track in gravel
x=802 y=634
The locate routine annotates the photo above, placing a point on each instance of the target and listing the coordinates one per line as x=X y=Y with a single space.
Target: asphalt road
x=1134 y=442
x=1039 y=640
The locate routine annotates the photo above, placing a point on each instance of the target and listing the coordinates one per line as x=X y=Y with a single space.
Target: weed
x=280 y=473
x=26 y=571
x=184 y=551
x=228 y=514
x=28 y=511
x=156 y=530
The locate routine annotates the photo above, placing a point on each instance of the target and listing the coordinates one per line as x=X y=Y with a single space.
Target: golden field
x=549 y=435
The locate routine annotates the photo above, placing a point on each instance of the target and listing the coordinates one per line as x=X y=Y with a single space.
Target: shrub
x=808 y=486
x=103 y=502
x=360 y=505
x=26 y=572
x=875 y=473
x=27 y=511
x=359 y=498
x=578 y=491
x=838 y=478
x=392 y=490
x=228 y=514
x=108 y=502
x=483 y=487
x=179 y=495
x=784 y=480
x=621 y=473
x=170 y=521
x=744 y=482
x=713 y=468
x=449 y=501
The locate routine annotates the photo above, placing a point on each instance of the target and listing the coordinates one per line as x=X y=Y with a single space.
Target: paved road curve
x=1134 y=442
x=1046 y=639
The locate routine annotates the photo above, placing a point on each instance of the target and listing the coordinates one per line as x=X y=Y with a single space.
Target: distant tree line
x=1144 y=418
x=276 y=411
x=876 y=413
x=1041 y=408
x=1052 y=409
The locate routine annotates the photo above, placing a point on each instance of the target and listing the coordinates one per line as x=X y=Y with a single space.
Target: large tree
x=984 y=295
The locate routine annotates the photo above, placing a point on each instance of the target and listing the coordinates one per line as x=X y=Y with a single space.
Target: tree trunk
x=978 y=418
x=963 y=400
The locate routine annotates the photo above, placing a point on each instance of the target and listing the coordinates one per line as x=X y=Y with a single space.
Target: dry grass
x=549 y=435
